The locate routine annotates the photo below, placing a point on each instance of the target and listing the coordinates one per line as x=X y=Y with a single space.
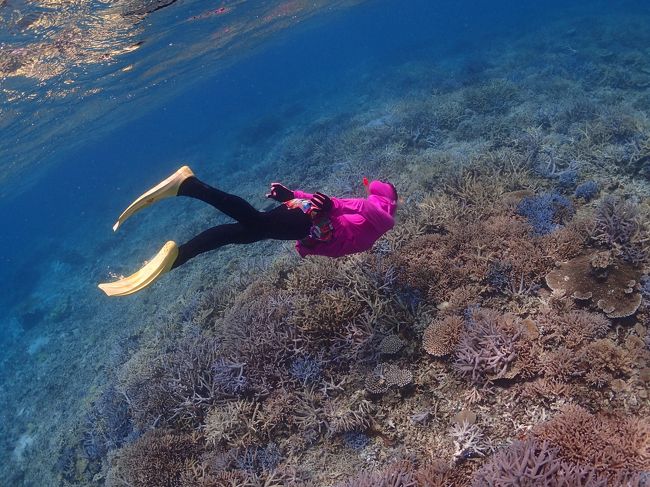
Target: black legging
x=280 y=223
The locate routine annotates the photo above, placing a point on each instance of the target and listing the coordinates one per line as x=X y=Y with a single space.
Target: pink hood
x=358 y=222
x=383 y=195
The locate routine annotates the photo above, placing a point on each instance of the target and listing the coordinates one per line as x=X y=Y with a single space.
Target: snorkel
x=366 y=184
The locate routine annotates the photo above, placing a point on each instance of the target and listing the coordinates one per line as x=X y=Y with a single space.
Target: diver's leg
x=215 y=237
x=280 y=223
x=233 y=206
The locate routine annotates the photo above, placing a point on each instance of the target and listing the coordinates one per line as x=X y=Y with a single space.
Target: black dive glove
x=280 y=193
x=321 y=203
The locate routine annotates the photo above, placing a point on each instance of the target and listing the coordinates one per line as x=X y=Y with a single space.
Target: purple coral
x=305 y=369
x=531 y=463
x=568 y=178
x=617 y=225
x=485 y=350
x=257 y=459
x=645 y=287
x=108 y=425
x=229 y=376
x=616 y=221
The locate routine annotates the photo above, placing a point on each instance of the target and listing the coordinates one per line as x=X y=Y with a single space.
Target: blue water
x=72 y=163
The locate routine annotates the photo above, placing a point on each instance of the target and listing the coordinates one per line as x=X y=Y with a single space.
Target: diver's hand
x=280 y=193
x=322 y=202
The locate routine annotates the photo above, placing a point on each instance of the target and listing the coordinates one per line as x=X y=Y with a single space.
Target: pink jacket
x=358 y=222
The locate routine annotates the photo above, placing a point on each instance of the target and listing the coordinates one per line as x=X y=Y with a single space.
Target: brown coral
x=441 y=337
x=157 y=459
x=612 y=289
x=234 y=423
x=350 y=414
x=611 y=444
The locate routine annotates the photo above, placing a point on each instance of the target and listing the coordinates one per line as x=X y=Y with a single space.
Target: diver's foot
x=159 y=265
x=165 y=189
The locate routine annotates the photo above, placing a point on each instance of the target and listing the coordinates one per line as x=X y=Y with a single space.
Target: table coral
x=613 y=288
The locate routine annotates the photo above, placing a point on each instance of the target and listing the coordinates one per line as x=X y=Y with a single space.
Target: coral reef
x=438 y=357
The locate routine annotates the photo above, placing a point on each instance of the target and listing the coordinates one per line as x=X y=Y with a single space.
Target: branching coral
x=108 y=424
x=400 y=474
x=571 y=328
x=157 y=459
x=468 y=440
x=177 y=385
x=354 y=413
x=618 y=226
x=305 y=369
x=533 y=463
x=487 y=347
x=235 y=423
x=587 y=190
x=448 y=266
x=610 y=444
x=546 y=212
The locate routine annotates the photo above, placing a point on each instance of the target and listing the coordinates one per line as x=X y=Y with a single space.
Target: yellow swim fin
x=146 y=276
x=165 y=189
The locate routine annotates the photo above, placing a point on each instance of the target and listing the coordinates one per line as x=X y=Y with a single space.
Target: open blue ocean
x=490 y=327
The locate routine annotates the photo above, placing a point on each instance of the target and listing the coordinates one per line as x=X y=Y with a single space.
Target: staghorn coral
x=468 y=440
x=175 y=384
x=305 y=369
x=229 y=376
x=545 y=212
x=487 y=348
x=257 y=459
x=612 y=285
x=617 y=225
x=235 y=423
x=560 y=364
x=531 y=463
x=157 y=459
x=442 y=336
x=348 y=414
x=494 y=97
x=459 y=260
x=108 y=425
x=606 y=359
x=587 y=190
x=399 y=474
x=571 y=328
x=609 y=444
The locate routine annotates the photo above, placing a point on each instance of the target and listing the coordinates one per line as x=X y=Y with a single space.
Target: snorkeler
x=332 y=227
